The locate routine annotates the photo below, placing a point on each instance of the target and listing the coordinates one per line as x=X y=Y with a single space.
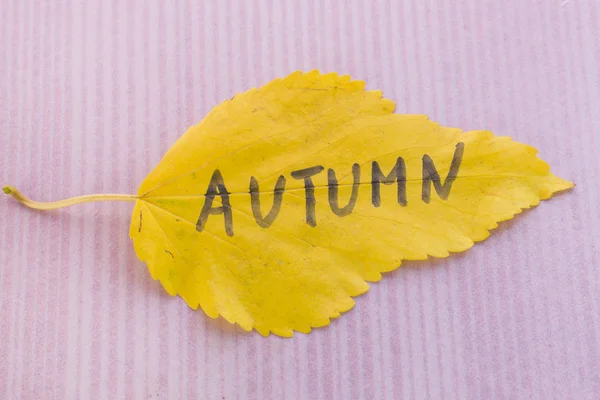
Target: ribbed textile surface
x=93 y=93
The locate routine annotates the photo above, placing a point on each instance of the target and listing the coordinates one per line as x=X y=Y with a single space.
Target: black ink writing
x=266 y=221
x=309 y=189
x=430 y=175
x=396 y=175
x=216 y=187
x=332 y=184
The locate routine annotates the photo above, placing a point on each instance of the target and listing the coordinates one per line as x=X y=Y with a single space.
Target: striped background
x=92 y=93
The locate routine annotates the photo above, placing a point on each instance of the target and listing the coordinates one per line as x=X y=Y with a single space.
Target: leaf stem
x=52 y=205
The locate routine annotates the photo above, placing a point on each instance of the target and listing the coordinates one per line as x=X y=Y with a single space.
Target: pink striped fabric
x=93 y=93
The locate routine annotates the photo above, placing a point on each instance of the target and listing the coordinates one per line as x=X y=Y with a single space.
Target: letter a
x=216 y=187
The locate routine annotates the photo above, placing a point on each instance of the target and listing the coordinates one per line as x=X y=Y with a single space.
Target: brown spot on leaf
x=140 y=228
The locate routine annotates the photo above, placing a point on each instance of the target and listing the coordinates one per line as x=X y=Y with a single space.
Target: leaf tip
x=563 y=184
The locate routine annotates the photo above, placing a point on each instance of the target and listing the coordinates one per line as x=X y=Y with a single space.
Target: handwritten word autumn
x=397 y=176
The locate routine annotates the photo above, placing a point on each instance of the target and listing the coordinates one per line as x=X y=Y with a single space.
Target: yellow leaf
x=285 y=201
x=278 y=207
